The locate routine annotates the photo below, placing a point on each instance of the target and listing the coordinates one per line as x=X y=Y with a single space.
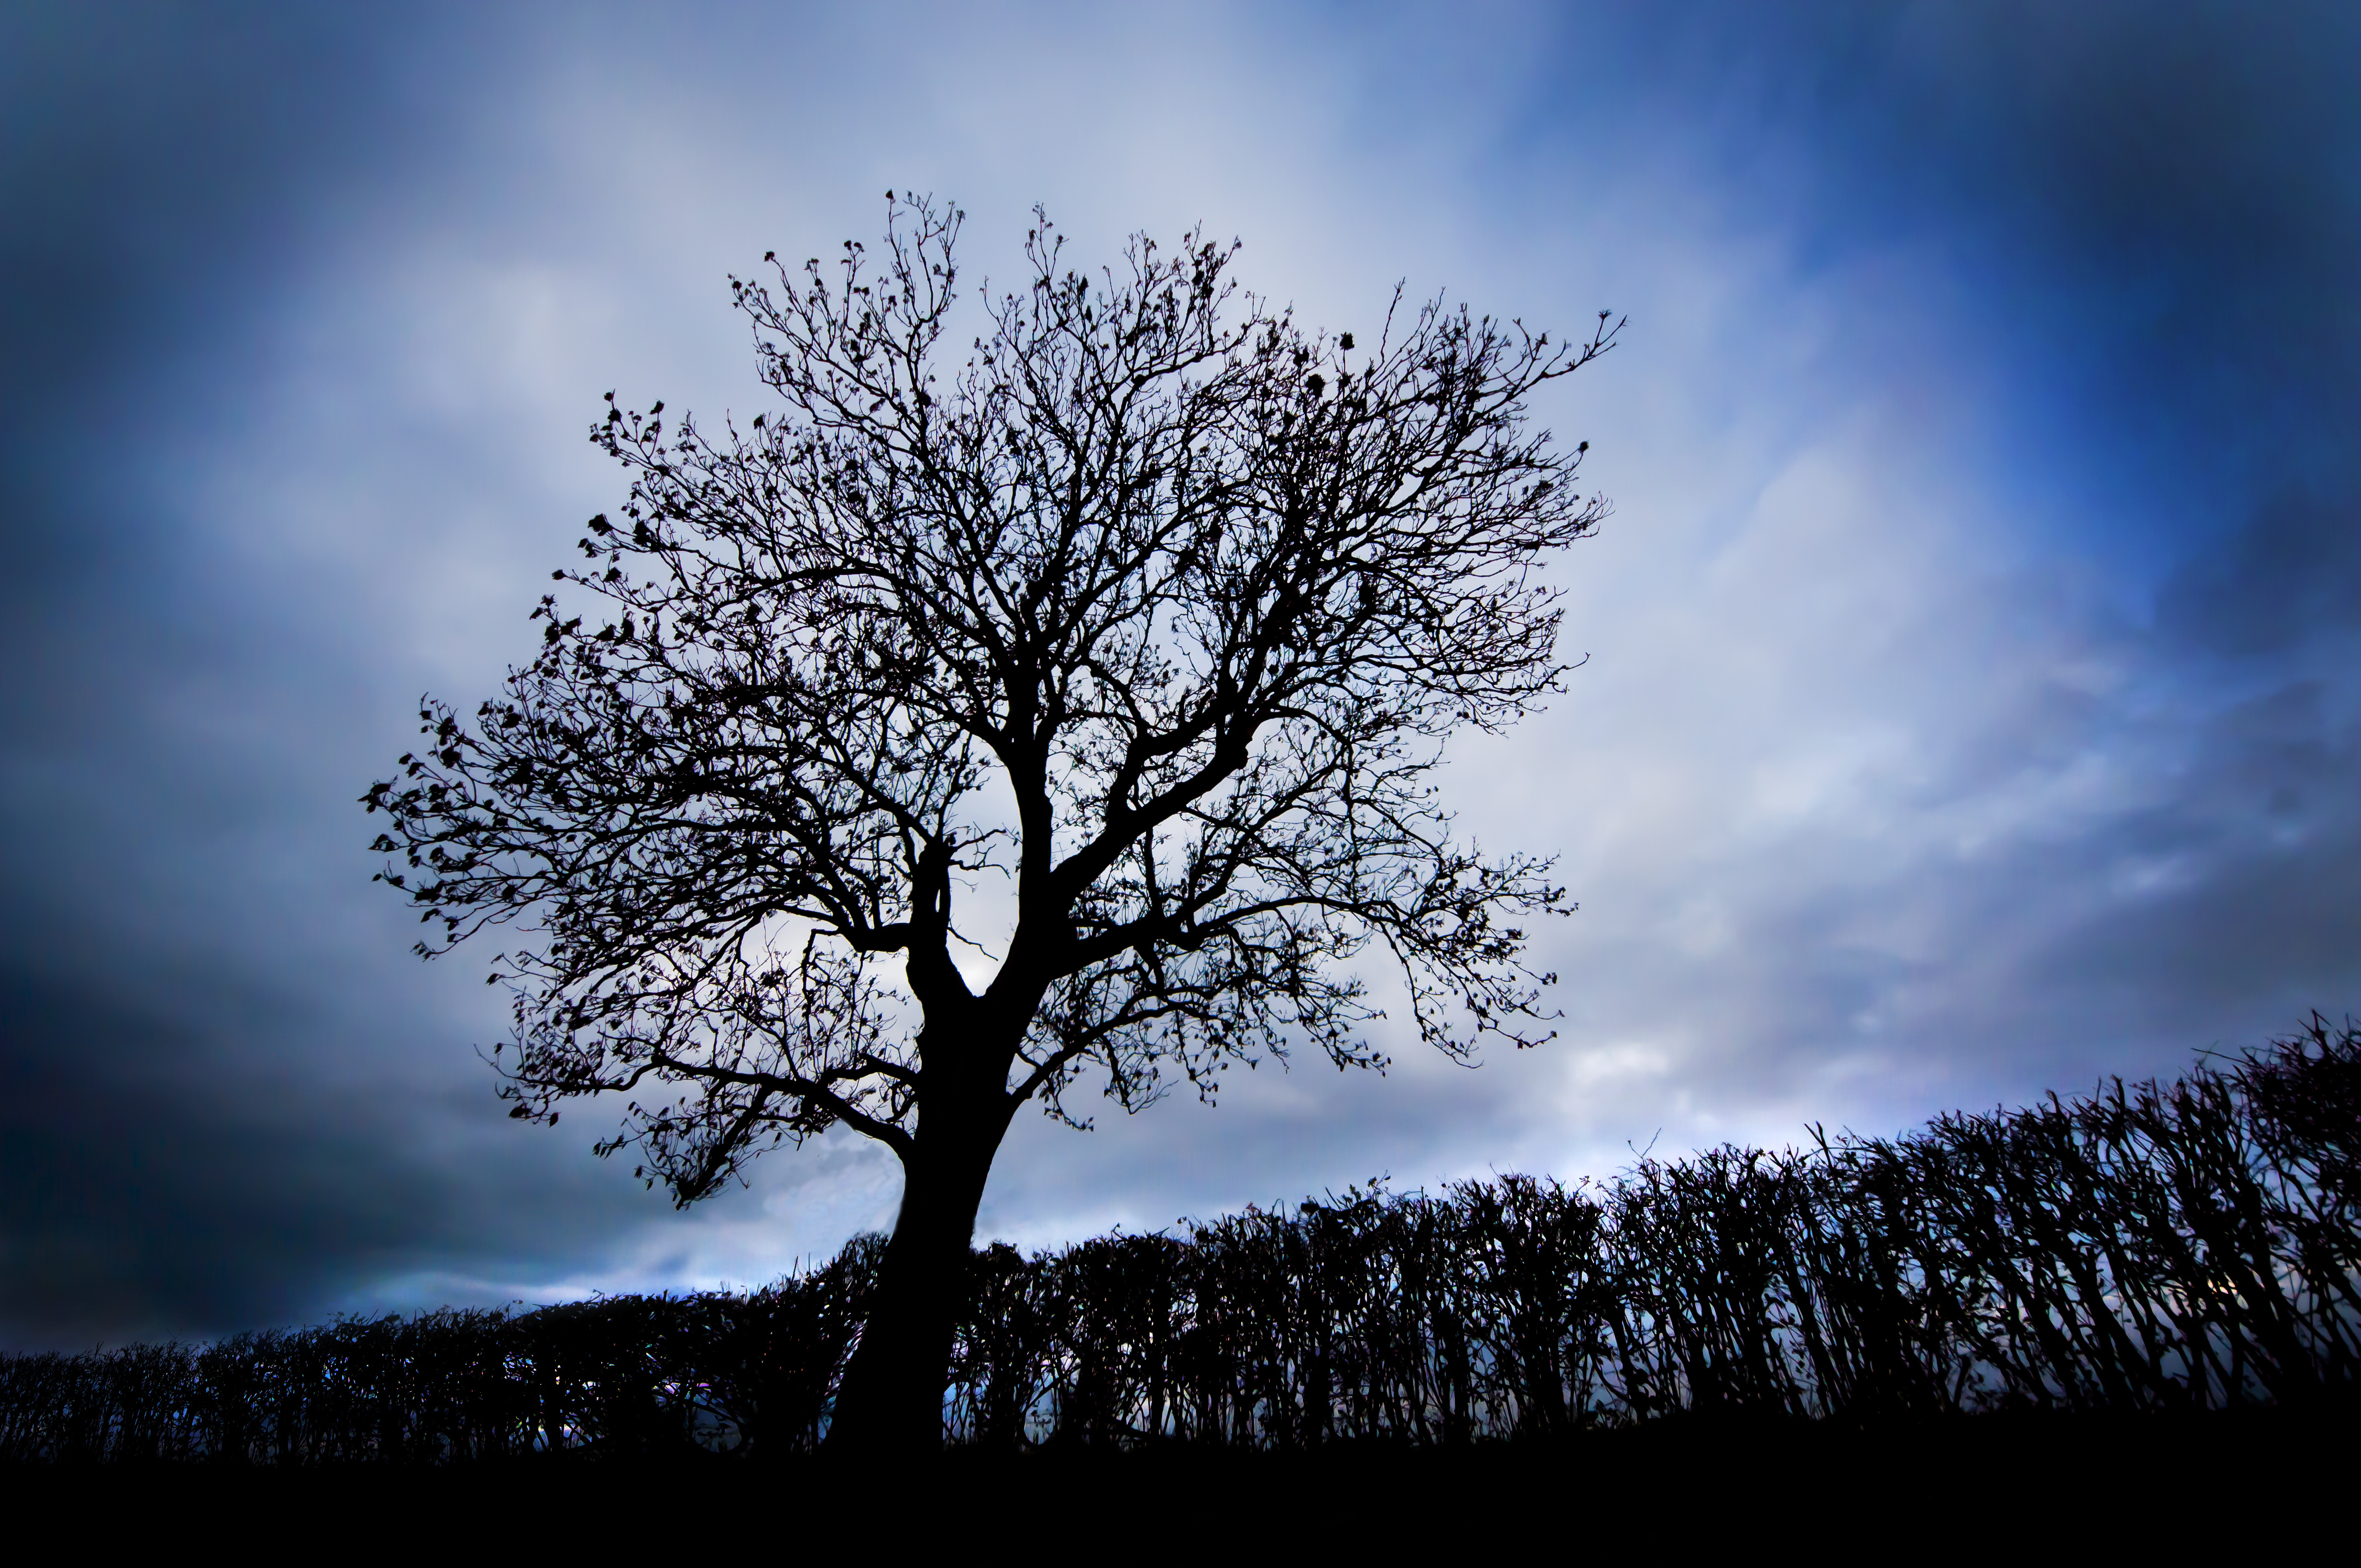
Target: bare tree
x=1140 y=631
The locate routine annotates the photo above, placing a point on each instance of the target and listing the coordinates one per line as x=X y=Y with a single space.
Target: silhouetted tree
x=1119 y=656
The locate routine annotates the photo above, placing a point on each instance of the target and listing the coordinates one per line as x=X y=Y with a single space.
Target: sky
x=1971 y=702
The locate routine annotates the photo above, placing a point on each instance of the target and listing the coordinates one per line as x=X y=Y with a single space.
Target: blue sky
x=1972 y=702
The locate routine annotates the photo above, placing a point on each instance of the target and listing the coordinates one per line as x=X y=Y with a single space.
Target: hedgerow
x=2148 y=1247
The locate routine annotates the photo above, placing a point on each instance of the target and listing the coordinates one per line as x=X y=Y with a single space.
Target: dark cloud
x=172 y=1158
x=161 y=167
x=169 y=1165
x=2291 y=572
x=227 y=1099
x=161 y=172
x=2155 y=206
x=2156 y=209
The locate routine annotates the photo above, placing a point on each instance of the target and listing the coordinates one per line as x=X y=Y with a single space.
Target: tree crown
x=1144 y=624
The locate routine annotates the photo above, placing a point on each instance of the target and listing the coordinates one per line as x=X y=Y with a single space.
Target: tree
x=1149 y=620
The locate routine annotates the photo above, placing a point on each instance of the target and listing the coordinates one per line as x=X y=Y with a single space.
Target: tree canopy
x=1115 y=653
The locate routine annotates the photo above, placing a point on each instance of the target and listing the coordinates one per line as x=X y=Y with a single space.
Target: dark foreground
x=1996 y=1486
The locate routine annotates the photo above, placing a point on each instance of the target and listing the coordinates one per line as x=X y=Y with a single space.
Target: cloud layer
x=1971 y=705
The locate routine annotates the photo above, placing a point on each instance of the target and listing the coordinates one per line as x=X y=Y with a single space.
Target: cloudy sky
x=1972 y=701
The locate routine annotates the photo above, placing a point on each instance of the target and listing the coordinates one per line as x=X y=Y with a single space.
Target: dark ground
x=1993 y=1487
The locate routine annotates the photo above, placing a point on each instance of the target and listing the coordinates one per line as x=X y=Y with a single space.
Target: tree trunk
x=892 y=1399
